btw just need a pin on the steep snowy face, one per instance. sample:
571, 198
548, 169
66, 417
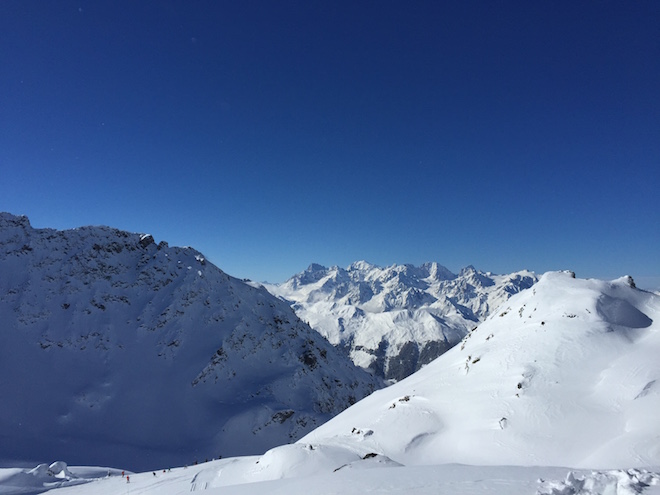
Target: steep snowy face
118, 351
563, 374
394, 320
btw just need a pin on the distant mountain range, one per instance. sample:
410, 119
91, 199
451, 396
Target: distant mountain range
120, 351
394, 320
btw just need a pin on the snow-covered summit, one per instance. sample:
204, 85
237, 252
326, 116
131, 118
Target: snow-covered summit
120, 351
565, 374
396, 319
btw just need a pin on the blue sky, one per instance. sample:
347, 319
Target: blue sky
269, 135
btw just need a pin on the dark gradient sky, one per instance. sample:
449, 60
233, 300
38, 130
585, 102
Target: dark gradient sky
270, 135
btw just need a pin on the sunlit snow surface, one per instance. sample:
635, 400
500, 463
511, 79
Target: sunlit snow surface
448, 479
563, 374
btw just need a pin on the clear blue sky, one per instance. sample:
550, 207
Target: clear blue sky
273, 134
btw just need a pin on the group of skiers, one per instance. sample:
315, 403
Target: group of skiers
128, 478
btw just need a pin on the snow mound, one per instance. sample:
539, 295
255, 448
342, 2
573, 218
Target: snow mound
288, 462
371, 461
614, 482
621, 313
296, 460
43, 477
59, 469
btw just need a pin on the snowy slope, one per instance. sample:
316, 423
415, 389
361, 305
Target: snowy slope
450, 479
394, 320
566, 373
117, 351
364, 476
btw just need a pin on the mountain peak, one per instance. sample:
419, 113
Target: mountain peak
438, 272
8, 219
315, 267
361, 265
626, 280
467, 270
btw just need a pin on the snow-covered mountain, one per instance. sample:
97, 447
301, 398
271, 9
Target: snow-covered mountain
394, 320
120, 351
563, 374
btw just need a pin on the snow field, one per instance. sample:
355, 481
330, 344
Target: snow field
449, 479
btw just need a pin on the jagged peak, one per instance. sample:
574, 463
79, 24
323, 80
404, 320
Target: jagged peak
557, 275
437, 271
362, 265
7, 218
431, 269
101, 237
468, 270
475, 276
625, 280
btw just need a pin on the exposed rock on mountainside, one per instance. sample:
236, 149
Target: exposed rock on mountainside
120, 351
394, 320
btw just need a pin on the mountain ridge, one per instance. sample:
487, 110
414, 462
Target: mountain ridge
111, 339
